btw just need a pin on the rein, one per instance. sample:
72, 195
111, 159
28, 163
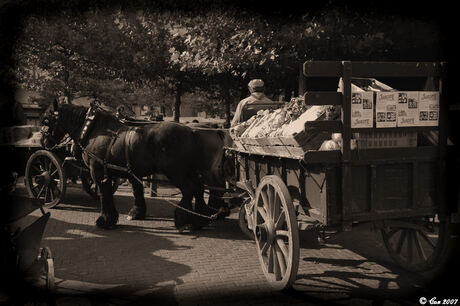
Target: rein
212, 217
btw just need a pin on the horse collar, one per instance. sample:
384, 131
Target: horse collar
88, 123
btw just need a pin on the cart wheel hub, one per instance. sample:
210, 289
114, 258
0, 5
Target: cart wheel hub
43, 178
266, 232
46, 178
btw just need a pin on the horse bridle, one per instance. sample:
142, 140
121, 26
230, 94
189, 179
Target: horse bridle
49, 128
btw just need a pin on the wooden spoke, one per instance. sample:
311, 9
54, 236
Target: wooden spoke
46, 163
46, 194
271, 201
282, 233
56, 189
51, 193
41, 191
262, 213
36, 169
52, 174
419, 246
270, 260
266, 204
282, 247
276, 265
401, 240
425, 237
392, 232
281, 259
264, 248
276, 206
409, 246
281, 220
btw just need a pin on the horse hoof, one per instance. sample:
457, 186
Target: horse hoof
134, 214
102, 223
135, 217
184, 228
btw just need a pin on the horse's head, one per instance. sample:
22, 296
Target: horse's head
53, 127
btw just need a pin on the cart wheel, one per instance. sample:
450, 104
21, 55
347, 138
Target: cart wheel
419, 245
276, 232
46, 257
243, 222
89, 186
45, 178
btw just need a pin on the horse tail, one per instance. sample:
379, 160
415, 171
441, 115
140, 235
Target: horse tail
221, 134
200, 154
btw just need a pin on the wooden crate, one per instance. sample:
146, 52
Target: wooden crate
242, 140
295, 152
280, 151
384, 139
238, 144
304, 141
275, 141
252, 141
263, 141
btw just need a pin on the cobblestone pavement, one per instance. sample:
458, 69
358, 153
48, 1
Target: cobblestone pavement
149, 262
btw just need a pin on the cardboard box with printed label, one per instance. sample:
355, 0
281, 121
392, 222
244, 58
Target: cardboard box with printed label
385, 109
362, 109
428, 108
362, 106
407, 108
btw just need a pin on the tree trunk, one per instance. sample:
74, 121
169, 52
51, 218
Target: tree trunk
177, 102
67, 93
227, 101
68, 98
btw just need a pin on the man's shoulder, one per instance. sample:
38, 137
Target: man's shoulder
257, 99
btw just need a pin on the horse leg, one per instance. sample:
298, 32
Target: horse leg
215, 201
109, 214
201, 207
182, 219
139, 209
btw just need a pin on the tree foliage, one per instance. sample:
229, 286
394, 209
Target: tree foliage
137, 52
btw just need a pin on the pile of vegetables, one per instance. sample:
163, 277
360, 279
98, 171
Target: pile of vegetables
284, 121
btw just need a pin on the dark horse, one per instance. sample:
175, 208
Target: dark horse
188, 158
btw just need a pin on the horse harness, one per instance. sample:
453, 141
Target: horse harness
89, 121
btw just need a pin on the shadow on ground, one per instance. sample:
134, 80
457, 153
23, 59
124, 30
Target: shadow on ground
128, 258
353, 279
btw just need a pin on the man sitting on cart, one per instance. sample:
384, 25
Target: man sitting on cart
257, 96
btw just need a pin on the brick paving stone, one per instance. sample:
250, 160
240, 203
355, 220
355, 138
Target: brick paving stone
149, 259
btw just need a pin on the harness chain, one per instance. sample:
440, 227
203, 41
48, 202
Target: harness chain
129, 169
123, 169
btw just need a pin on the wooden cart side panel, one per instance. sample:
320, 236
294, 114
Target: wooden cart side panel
380, 189
429, 185
397, 190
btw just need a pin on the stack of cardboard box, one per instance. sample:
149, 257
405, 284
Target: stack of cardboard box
373, 101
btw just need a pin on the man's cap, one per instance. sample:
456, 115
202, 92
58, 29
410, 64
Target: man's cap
256, 83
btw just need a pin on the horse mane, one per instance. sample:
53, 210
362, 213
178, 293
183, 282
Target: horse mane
73, 113
76, 114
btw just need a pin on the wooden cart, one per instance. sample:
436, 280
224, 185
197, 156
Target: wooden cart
398, 191
45, 171
24, 262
